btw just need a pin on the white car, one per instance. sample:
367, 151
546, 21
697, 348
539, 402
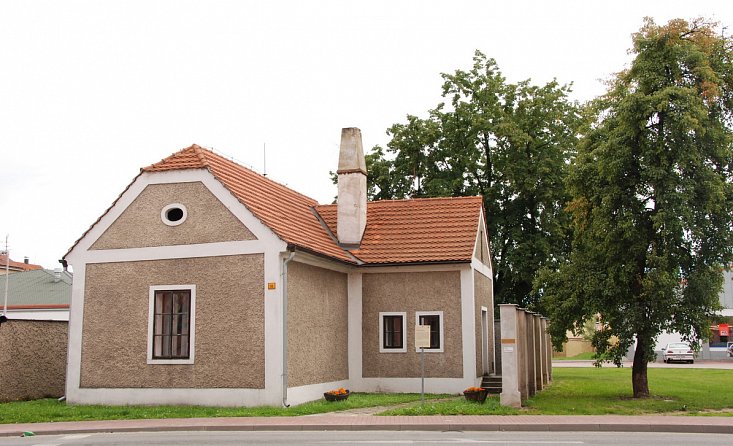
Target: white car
678, 351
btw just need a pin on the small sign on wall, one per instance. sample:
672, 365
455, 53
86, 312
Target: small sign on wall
422, 336
270, 285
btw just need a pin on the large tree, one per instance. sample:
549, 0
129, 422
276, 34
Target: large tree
510, 143
652, 198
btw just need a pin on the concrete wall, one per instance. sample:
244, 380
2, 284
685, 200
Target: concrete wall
317, 325
140, 225
229, 349
411, 292
32, 359
483, 298
574, 347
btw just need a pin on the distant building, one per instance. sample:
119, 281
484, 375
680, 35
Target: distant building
33, 341
16, 267
715, 348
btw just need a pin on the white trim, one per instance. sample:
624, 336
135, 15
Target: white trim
76, 317
484, 240
39, 315
480, 267
412, 385
485, 362
169, 396
312, 392
273, 326
320, 262
355, 327
192, 324
468, 323
440, 323
404, 332
176, 251
168, 221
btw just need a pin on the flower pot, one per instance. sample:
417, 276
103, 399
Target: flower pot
478, 396
336, 397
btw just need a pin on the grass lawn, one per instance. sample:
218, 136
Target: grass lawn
574, 391
51, 410
607, 390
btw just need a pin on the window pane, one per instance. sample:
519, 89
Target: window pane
171, 324
433, 320
392, 336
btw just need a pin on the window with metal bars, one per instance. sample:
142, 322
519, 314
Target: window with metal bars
172, 324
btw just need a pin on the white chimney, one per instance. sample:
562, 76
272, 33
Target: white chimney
352, 188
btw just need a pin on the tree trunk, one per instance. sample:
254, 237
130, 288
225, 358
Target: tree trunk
639, 379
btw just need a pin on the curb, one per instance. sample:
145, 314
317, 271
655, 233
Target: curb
518, 423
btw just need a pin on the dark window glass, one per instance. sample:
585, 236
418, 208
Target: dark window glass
434, 321
174, 214
171, 324
392, 336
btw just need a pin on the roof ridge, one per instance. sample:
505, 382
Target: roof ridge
198, 150
412, 200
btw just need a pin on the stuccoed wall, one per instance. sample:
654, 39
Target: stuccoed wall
317, 325
230, 328
32, 359
411, 292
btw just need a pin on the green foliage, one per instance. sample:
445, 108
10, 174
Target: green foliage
510, 143
652, 198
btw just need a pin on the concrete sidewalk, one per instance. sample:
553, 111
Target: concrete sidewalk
612, 423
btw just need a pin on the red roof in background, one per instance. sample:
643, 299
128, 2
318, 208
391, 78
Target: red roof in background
17, 266
397, 231
416, 230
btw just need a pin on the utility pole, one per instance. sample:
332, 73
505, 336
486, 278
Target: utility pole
7, 278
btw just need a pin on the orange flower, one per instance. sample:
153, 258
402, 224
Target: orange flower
474, 389
339, 391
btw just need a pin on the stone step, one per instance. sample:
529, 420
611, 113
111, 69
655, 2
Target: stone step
492, 383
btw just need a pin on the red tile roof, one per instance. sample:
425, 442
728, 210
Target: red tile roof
417, 230
397, 231
17, 266
288, 213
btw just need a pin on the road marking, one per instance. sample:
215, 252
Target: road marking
455, 441
75, 436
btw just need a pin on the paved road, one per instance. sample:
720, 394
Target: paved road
374, 438
700, 364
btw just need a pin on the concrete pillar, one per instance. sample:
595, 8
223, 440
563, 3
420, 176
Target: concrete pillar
510, 358
539, 352
548, 346
531, 357
522, 349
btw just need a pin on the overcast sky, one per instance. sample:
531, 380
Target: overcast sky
91, 91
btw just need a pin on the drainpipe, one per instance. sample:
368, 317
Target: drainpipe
285, 324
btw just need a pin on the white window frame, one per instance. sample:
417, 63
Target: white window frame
164, 214
404, 332
192, 324
440, 319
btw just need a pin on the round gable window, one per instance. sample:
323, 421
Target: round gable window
174, 214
